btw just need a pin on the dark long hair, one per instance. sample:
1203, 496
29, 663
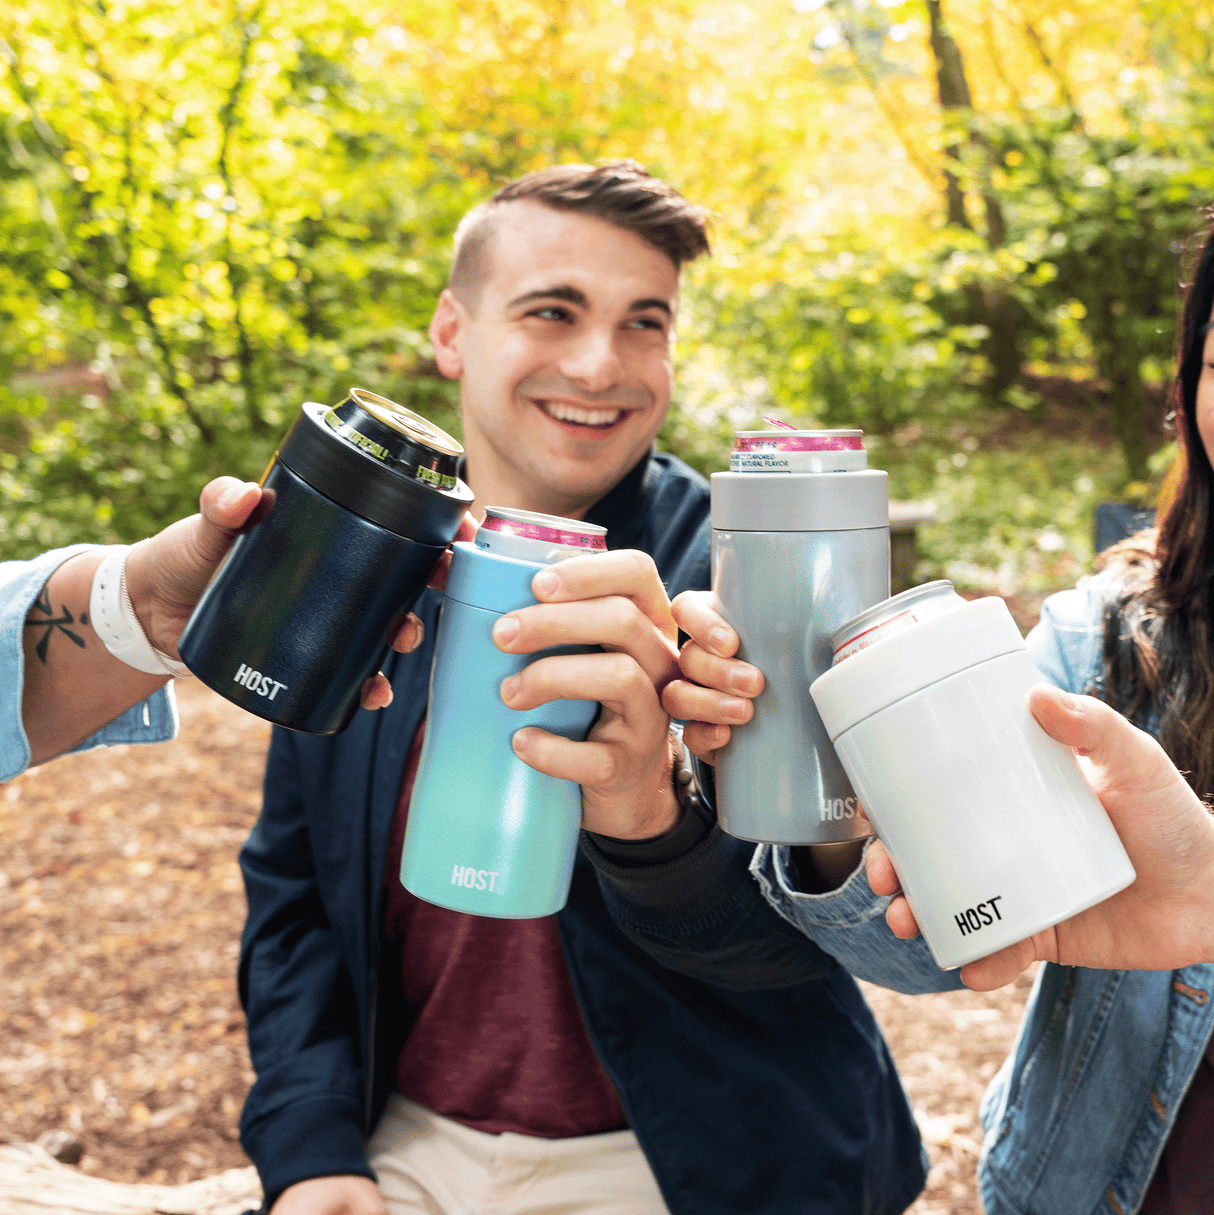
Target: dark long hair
1158, 663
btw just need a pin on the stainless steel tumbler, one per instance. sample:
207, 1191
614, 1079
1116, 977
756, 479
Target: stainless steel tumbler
794, 556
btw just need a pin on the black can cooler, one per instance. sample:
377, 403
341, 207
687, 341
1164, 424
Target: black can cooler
360, 501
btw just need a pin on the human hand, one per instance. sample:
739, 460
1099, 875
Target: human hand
341, 1195
717, 690
166, 575
377, 691
1165, 918
615, 601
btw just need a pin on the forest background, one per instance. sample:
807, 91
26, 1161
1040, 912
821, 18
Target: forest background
958, 224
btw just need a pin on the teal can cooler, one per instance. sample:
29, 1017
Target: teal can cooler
487, 834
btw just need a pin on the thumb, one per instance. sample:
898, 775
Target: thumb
168, 572
226, 505
1124, 760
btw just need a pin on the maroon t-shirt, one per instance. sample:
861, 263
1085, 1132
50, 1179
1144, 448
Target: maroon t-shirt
496, 1038
1184, 1178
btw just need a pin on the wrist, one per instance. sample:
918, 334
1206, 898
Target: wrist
693, 821
116, 623
141, 587
666, 807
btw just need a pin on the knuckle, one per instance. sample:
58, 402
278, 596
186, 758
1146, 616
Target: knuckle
621, 614
622, 668
604, 767
644, 563
677, 698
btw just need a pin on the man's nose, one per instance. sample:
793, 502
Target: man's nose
593, 362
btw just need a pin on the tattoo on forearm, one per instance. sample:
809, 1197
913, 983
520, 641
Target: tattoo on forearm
42, 616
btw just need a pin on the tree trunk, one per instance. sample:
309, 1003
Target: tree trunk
992, 309
32, 1182
954, 93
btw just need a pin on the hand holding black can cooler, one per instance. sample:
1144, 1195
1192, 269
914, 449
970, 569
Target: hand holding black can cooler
360, 501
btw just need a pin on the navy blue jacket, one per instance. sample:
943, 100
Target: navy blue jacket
747, 1062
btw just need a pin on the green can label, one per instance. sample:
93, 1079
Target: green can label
351, 435
434, 478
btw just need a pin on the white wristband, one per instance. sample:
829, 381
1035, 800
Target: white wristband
114, 621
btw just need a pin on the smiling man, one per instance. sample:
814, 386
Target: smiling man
638, 1052
569, 321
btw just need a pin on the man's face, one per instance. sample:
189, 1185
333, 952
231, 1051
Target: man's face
565, 359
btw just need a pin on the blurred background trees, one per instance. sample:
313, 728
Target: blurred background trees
959, 224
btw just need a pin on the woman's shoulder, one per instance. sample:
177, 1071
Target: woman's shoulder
1122, 572
1082, 605
1067, 642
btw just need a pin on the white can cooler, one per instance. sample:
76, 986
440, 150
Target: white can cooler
991, 824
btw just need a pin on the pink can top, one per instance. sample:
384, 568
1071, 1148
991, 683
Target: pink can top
799, 440
549, 529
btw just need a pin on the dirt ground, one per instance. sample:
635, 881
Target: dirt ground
120, 911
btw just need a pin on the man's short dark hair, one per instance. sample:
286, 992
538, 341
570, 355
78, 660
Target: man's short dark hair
620, 192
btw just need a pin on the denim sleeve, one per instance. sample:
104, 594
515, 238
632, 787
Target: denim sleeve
153, 720
1066, 642
849, 924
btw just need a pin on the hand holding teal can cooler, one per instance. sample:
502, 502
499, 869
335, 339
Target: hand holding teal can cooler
487, 834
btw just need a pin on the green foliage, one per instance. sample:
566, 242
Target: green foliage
226, 207
1009, 518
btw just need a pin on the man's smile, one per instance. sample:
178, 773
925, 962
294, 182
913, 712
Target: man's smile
580, 415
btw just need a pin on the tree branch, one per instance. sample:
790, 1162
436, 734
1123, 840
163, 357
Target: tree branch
237, 275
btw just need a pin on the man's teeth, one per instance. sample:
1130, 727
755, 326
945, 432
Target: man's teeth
584, 417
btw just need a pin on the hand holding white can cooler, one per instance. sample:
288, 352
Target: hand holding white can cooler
990, 823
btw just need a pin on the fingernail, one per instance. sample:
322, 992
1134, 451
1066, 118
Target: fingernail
518, 743
739, 710
509, 687
506, 630
742, 679
720, 639
230, 497
546, 582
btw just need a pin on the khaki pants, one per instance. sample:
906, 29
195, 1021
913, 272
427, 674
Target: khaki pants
428, 1163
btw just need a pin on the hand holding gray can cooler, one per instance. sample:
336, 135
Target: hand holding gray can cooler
795, 553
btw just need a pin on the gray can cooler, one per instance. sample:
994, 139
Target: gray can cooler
794, 557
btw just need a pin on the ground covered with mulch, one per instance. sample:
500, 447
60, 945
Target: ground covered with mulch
120, 911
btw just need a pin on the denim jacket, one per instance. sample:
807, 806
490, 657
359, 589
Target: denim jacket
21, 582
1077, 1116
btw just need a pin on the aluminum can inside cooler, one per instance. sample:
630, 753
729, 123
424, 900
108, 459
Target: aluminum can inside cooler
893, 616
798, 451
357, 507
530, 536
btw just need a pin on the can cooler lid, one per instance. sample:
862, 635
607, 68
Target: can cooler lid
800, 502
488, 580
369, 488
899, 666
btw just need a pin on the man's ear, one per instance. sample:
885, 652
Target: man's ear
445, 333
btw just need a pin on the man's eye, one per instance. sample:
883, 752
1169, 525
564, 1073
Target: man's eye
551, 313
646, 322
